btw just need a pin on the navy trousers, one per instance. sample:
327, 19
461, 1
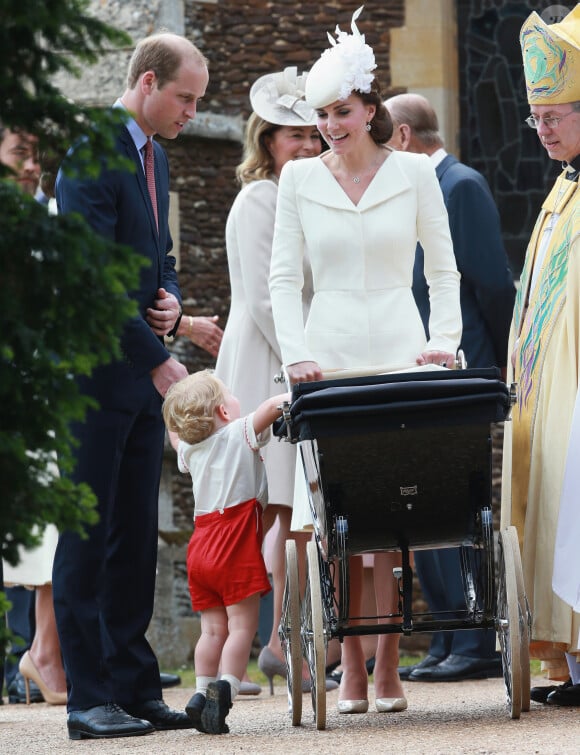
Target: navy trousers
104, 585
439, 573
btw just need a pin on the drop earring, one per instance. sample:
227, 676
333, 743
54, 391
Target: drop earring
368, 127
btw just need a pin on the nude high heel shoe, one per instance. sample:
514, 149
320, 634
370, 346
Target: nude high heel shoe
391, 704
270, 666
353, 706
30, 672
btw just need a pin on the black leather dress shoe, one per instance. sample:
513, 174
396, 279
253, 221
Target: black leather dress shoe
160, 715
105, 722
17, 691
540, 694
568, 695
169, 680
429, 660
455, 668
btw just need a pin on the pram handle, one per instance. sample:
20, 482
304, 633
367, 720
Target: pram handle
332, 374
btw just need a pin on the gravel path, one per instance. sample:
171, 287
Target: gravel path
468, 717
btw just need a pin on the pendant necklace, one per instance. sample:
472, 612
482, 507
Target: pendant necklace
356, 179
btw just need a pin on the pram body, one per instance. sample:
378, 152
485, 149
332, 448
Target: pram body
400, 462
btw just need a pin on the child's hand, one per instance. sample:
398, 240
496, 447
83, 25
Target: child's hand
269, 411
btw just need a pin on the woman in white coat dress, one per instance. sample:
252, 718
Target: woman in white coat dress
360, 209
281, 128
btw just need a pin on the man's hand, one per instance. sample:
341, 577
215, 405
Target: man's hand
164, 313
167, 373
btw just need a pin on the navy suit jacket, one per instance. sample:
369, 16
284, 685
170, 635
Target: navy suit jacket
487, 289
117, 206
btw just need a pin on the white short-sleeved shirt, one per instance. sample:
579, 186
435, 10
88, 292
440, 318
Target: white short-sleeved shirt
226, 468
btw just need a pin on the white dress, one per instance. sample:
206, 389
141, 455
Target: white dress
363, 314
35, 567
249, 357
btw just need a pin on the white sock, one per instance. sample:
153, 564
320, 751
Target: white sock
201, 683
574, 667
234, 683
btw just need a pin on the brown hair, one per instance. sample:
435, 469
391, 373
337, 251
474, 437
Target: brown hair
257, 162
163, 54
381, 124
190, 404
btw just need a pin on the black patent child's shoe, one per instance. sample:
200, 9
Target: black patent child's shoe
160, 715
194, 709
218, 702
105, 722
540, 694
17, 691
567, 695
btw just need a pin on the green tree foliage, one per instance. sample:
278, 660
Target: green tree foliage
63, 289
38, 39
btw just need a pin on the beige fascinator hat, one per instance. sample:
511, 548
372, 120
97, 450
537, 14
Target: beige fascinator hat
551, 55
279, 99
345, 67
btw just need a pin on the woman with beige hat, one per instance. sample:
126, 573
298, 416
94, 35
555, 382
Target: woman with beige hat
280, 128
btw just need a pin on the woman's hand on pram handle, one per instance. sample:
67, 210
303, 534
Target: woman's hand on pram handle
304, 372
440, 358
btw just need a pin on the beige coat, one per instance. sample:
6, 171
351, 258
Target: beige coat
249, 355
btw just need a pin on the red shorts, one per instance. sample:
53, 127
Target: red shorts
224, 557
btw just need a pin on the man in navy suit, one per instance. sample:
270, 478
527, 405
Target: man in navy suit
487, 298
104, 585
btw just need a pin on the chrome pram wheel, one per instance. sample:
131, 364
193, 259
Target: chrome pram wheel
524, 617
508, 623
313, 636
289, 632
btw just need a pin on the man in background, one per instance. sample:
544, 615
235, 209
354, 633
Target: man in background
487, 296
540, 471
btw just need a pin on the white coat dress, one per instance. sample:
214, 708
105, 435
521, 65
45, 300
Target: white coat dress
362, 314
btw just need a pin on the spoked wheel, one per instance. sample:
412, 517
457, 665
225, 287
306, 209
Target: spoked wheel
524, 616
313, 637
508, 624
289, 632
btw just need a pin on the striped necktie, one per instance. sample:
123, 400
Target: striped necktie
150, 175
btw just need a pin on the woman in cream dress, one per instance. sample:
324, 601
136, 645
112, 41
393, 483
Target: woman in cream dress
360, 209
281, 128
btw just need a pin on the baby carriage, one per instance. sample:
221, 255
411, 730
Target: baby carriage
400, 462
